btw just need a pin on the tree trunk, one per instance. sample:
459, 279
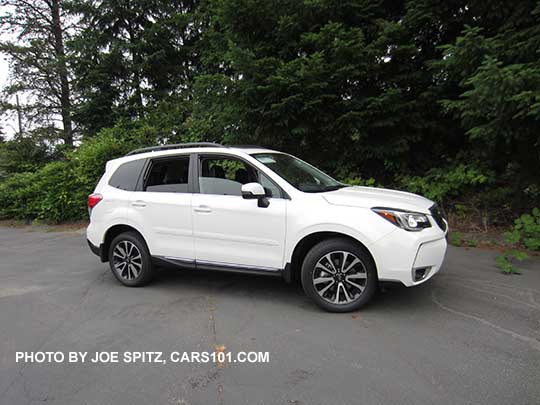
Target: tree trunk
65, 96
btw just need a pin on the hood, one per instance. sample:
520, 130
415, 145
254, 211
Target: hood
369, 197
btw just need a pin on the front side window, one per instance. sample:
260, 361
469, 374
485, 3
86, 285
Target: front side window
298, 173
225, 176
168, 175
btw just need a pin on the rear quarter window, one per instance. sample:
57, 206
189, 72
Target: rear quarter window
127, 175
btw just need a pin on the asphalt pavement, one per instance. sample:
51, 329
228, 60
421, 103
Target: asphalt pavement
471, 335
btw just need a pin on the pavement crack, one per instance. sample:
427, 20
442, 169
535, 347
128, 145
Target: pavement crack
212, 309
534, 343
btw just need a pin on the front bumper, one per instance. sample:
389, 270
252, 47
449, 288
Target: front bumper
411, 258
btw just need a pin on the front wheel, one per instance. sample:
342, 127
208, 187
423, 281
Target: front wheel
130, 260
339, 275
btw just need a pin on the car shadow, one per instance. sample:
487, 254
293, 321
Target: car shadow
393, 297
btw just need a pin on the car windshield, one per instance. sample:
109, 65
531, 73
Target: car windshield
298, 173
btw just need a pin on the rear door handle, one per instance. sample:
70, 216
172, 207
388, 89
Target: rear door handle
138, 203
203, 208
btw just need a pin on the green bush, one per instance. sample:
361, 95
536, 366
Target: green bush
60, 196
456, 238
441, 184
19, 196
359, 181
51, 193
57, 191
528, 228
525, 233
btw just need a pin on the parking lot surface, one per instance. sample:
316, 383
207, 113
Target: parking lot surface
470, 335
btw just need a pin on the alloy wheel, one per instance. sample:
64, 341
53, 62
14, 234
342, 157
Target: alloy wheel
339, 277
127, 260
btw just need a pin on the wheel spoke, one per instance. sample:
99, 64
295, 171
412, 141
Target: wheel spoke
328, 257
133, 271
360, 276
118, 254
320, 266
321, 292
347, 297
121, 251
361, 288
320, 280
351, 265
336, 299
345, 256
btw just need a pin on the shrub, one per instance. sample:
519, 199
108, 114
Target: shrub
528, 228
441, 184
456, 238
358, 181
526, 233
18, 196
51, 193
60, 196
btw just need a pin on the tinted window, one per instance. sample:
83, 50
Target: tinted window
169, 175
225, 176
126, 176
300, 174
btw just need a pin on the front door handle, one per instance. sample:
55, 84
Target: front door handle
203, 209
138, 203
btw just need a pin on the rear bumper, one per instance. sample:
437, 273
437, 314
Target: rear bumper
97, 250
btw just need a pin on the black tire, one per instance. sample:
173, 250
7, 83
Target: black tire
127, 274
363, 270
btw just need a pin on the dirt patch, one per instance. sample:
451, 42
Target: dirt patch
44, 227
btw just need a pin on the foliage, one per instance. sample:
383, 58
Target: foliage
57, 191
526, 232
25, 153
438, 98
130, 57
52, 193
456, 238
528, 227
38, 64
443, 184
359, 181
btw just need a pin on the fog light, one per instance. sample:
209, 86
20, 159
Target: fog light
421, 273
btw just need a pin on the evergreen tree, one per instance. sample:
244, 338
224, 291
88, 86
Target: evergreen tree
131, 56
38, 62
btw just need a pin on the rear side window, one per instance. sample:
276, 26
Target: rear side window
168, 175
127, 174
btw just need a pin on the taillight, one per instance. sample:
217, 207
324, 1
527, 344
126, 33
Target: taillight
93, 199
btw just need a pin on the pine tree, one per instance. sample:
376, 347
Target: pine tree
38, 62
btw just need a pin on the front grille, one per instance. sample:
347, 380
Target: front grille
437, 216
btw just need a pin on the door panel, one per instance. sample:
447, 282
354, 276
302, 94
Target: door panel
232, 230
167, 220
162, 208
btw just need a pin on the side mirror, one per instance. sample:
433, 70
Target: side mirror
254, 191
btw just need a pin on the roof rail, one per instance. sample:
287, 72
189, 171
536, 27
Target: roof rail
247, 146
175, 146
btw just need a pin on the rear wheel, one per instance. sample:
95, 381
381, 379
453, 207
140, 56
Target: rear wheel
339, 275
130, 260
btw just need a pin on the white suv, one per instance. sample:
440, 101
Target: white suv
259, 211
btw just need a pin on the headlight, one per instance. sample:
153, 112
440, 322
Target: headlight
410, 221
